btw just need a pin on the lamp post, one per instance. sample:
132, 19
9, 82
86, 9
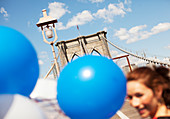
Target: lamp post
47, 25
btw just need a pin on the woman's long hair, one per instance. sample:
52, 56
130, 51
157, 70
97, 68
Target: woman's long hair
153, 79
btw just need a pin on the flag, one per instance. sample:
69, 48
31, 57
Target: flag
77, 27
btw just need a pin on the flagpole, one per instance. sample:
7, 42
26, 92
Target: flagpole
78, 30
80, 41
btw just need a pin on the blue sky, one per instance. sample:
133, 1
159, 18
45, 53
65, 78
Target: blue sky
135, 25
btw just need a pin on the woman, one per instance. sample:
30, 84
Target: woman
148, 90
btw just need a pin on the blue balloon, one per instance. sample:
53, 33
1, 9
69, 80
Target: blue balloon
19, 69
91, 87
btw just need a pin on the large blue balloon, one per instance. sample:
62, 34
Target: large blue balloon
91, 87
19, 69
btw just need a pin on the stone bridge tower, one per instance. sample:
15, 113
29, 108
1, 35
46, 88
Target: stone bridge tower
83, 45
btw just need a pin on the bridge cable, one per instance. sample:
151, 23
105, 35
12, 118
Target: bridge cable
139, 57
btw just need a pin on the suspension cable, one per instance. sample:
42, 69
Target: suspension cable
139, 57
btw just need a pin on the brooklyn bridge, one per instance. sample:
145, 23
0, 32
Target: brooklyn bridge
94, 44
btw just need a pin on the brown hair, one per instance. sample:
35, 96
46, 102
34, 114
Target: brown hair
152, 78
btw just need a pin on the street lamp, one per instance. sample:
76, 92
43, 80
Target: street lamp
47, 24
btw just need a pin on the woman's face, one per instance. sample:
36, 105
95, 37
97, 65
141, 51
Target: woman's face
142, 98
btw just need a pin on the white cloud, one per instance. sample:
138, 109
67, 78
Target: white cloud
112, 11
128, 2
137, 33
92, 1
136, 29
84, 1
167, 47
80, 19
96, 1
105, 29
129, 10
40, 62
60, 26
122, 34
161, 27
57, 9
4, 12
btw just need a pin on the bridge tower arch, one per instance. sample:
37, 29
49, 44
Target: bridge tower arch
83, 45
